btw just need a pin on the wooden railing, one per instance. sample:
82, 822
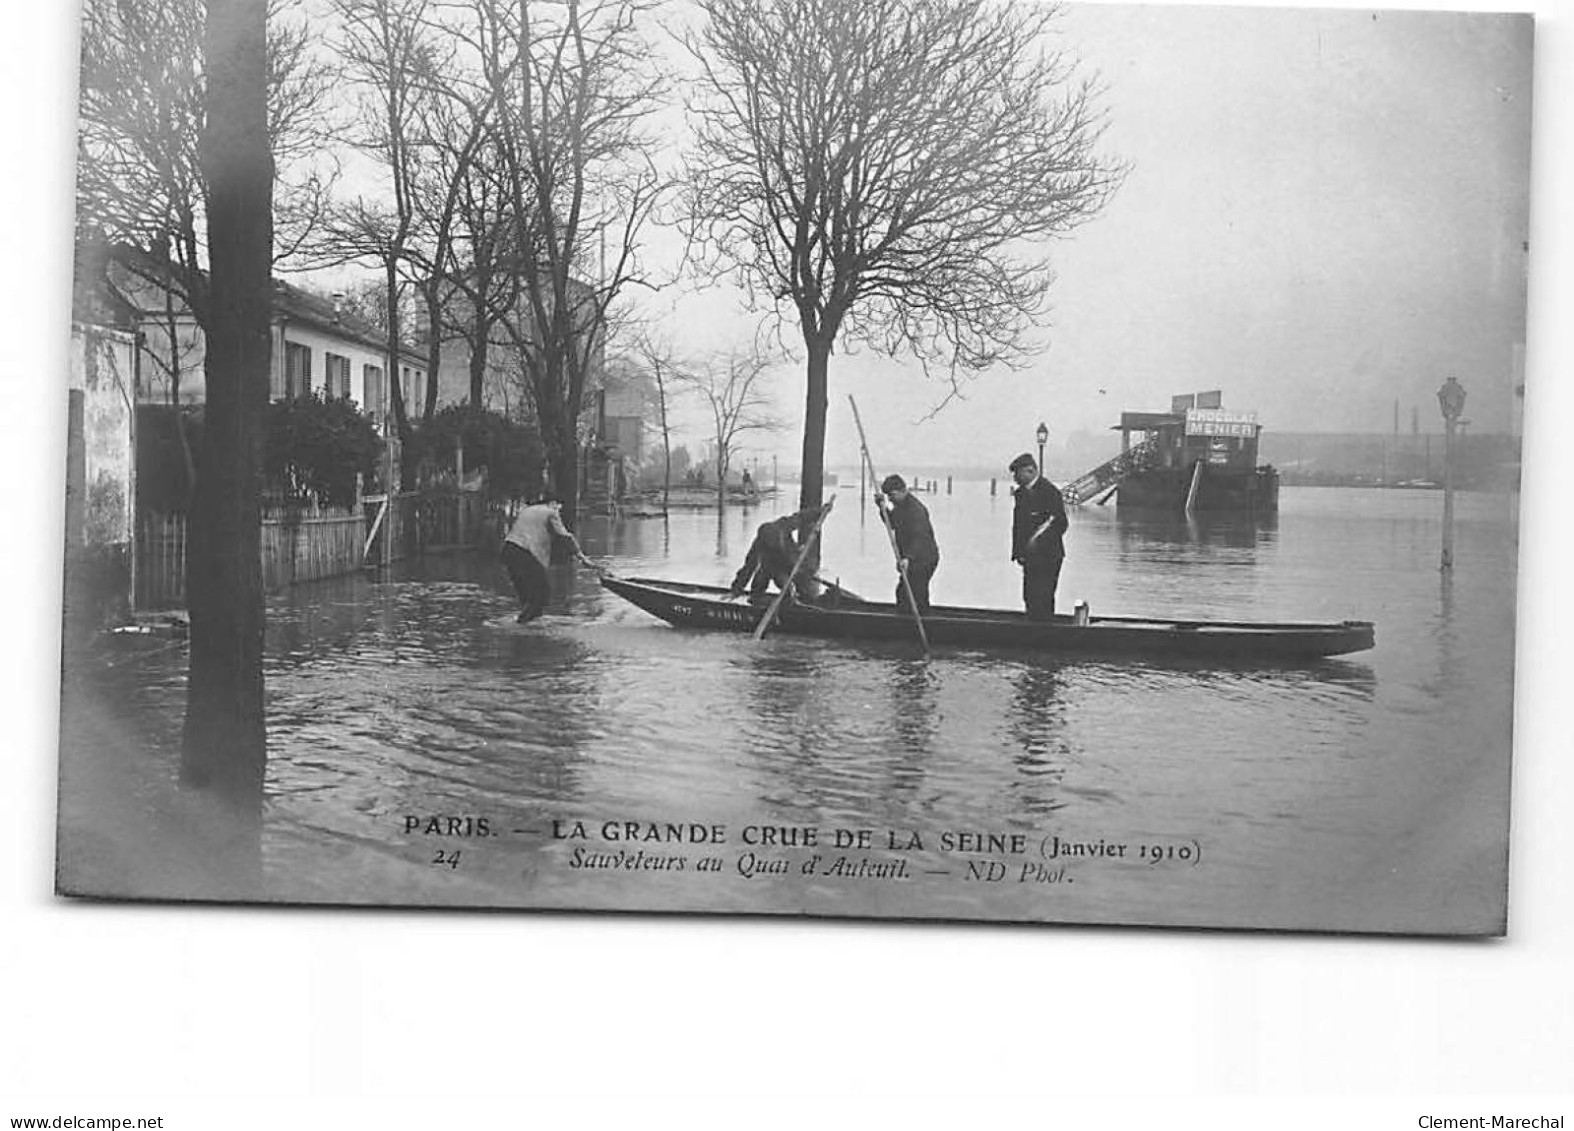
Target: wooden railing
309, 545
306, 544
160, 561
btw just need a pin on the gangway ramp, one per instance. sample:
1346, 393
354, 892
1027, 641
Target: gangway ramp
1107, 476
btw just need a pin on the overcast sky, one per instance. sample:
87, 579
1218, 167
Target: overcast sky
1326, 214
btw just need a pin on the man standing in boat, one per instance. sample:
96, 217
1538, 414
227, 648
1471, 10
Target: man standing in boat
527, 552
1038, 523
917, 552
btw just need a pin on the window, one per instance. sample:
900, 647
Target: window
297, 370
337, 376
372, 391
413, 386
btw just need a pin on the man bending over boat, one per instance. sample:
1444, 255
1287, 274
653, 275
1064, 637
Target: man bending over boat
772, 556
918, 552
1038, 522
527, 552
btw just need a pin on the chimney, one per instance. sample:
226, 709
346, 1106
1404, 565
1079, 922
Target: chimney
338, 305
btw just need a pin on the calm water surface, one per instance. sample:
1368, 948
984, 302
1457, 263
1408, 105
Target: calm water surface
1367, 793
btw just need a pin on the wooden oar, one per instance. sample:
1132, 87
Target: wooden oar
803, 554
885, 520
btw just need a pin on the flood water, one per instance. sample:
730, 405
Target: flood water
1364, 793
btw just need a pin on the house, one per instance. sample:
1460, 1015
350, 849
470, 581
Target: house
622, 419
317, 346
504, 382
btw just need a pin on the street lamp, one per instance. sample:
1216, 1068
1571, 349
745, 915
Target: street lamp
1451, 399
1043, 438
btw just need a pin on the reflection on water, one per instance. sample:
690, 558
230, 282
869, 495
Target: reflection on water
1312, 791
1038, 726
1206, 531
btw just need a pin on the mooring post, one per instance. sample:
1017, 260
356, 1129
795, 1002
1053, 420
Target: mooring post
1451, 399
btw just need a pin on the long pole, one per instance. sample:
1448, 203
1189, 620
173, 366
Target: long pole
885, 520
803, 554
863, 485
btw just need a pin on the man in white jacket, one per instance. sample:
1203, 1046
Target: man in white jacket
527, 552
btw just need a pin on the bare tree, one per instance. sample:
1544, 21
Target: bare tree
140, 179
484, 240
582, 180
141, 183
731, 389
878, 170
483, 274
390, 54
458, 202
223, 744
669, 375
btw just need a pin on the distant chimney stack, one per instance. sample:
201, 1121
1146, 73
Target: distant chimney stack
338, 304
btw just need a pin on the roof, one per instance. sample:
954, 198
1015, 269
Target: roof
123, 282
1145, 421
303, 306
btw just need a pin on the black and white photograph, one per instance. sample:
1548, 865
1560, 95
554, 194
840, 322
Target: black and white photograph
815, 465
935, 461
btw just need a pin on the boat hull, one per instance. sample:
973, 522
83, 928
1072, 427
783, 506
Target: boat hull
1221, 490
712, 608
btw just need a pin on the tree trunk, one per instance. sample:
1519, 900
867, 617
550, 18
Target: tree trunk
188, 460
480, 333
562, 453
563, 461
812, 490
396, 405
434, 349
666, 451
478, 349
224, 745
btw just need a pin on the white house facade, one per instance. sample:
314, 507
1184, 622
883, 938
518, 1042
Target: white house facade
316, 346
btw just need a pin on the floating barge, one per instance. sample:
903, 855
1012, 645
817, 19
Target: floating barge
1199, 456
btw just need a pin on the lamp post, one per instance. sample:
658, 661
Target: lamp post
1451, 399
1043, 438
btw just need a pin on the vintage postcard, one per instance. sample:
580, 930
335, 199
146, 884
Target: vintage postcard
985, 461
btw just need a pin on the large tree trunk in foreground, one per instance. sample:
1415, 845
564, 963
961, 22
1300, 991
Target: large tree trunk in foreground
812, 491
224, 748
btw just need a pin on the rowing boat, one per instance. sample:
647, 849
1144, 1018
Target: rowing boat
844, 617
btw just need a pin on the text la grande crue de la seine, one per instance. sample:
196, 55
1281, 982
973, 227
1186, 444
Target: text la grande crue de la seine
712, 835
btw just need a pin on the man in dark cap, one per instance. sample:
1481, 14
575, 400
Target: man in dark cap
1038, 522
917, 551
772, 555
